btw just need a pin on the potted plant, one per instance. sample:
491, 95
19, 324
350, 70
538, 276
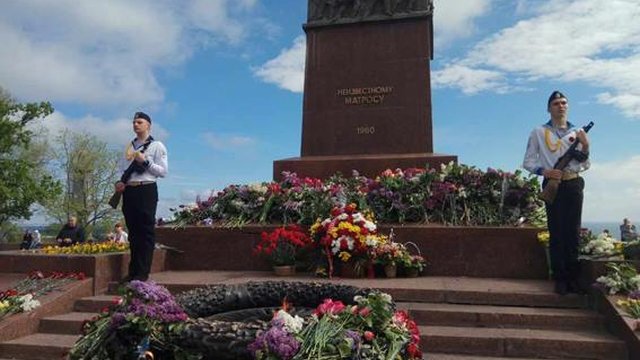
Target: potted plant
281, 246
413, 265
390, 254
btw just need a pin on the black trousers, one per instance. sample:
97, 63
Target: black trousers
139, 205
564, 218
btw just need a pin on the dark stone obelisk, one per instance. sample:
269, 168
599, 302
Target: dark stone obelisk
367, 92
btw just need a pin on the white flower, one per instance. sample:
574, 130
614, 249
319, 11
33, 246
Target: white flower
342, 217
291, 323
28, 303
370, 226
258, 187
386, 297
371, 240
335, 244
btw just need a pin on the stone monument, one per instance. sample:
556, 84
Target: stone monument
367, 92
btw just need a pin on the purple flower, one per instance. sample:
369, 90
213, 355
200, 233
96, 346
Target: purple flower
277, 341
357, 339
155, 302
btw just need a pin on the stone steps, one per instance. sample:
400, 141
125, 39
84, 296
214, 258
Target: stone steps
459, 318
502, 316
538, 343
94, 304
38, 346
69, 323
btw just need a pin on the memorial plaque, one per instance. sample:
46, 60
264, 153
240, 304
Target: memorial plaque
367, 95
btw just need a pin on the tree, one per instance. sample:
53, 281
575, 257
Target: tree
88, 170
24, 180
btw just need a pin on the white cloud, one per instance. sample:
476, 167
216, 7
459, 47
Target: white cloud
97, 52
588, 41
227, 141
469, 80
115, 132
454, 19
287, 69
612, 190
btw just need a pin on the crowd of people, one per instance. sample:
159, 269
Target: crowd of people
70, 234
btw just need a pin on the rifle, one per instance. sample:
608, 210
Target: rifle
550, 191
133, 167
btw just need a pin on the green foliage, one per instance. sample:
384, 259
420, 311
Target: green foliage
23, 180
88, 170
10, 233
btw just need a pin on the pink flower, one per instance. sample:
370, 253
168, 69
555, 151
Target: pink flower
365, 312
368, 335
330, 307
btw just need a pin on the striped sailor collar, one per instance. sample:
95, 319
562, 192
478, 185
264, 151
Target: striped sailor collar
550, 124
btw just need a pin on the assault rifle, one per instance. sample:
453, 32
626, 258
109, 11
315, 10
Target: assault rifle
550, 191
133, 167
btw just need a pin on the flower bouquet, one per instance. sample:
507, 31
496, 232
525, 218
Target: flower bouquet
23, 296
631, 305
601, 246
620, 278
139, 324
282, 245
371, 329
348, 235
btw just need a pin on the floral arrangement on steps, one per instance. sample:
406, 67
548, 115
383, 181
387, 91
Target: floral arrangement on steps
602, 246
138, 325
631, 305
283, 245
347, 235
390, 255
371, 329
452, 195
86, 248
23, 296
413, 265
620, 278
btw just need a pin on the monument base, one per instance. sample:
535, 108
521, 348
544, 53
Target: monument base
368, 165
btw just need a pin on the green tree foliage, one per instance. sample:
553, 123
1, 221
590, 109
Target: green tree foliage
24, 181
88, 170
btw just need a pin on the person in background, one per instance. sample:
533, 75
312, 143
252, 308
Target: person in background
27, 239
36, 243
119, 235
71, 233
547, 143
628, 231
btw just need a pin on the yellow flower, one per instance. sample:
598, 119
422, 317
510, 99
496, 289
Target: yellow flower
543, 238
344, 256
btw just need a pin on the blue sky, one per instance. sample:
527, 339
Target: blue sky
223, 79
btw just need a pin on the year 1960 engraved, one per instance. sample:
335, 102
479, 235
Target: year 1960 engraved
365, 130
